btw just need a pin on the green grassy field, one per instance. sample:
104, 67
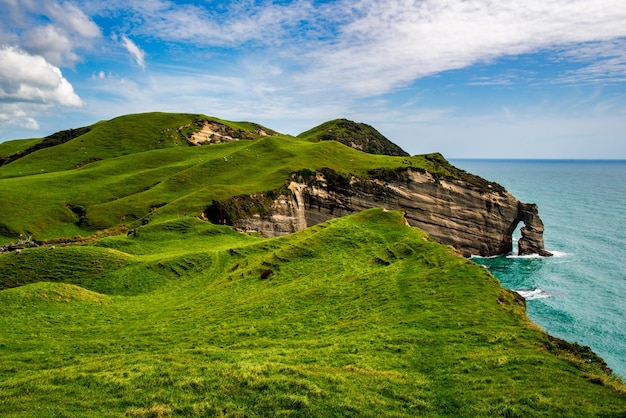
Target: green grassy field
358, 316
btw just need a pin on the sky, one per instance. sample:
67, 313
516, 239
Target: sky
467, 78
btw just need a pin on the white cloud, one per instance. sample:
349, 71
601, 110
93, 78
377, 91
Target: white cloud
364, 48
29, 85
48, 28
36, 38
12, 115
137, 53
390, 44
228, 24
30, 78
52, 44
72, 19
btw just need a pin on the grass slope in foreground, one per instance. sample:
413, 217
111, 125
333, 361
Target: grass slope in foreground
359, 316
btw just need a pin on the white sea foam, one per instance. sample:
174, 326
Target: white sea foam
514, 255
559, 254
532, 294
555, 254
473, 256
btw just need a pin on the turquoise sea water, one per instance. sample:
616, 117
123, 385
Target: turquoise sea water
580, 293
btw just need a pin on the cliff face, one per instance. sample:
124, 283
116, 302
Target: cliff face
477, 220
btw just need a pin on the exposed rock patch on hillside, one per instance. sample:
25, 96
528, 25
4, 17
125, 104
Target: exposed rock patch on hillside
19, 245
475, 220
209, 132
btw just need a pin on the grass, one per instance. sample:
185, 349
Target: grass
9, 148
359, 316
143, 310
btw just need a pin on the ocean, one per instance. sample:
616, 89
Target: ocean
579, 294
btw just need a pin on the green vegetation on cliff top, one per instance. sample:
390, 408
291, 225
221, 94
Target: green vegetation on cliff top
359, 316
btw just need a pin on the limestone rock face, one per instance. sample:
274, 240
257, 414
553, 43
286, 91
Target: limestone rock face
477, 220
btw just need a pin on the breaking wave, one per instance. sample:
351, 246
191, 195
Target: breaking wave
533, 294
555, 254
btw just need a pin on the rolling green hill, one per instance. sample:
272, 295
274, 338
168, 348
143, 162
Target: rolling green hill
356, 135
154, 312
136, 167
359, 316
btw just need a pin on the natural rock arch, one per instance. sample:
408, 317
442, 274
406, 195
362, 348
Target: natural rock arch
475, 220
531, 241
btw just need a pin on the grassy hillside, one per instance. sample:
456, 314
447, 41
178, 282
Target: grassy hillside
356, 135
139, 167
142, 309
360, 316
9, 148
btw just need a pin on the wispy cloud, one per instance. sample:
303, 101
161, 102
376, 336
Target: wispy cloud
505, 77
598, 62
226, 24
391, 44
365, 48
137, 53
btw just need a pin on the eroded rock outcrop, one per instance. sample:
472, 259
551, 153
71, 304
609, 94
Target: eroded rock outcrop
204, 132
215, 133
476, 218
531, 241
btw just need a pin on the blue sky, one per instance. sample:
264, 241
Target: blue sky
467, 78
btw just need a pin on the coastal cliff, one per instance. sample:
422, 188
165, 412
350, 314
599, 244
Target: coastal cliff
253, 178
475, 217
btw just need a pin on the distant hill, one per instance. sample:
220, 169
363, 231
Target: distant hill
356, 135
124, 135
47, 142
